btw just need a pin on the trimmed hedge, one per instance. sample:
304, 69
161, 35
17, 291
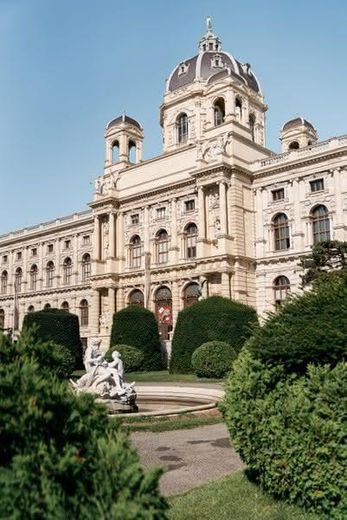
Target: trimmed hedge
213, 359
137, 326
62, 457
58, 326
310, 328
132, 357
290, 430
213, 319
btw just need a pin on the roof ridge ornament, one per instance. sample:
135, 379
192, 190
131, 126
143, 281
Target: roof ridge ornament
209, 42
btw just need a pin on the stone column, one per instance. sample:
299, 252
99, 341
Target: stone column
223, 208
339, 224
138, 156
298, 234
95, 312
75, 262
111, 231
120, 240
146, 244
112, 302
202, 212
97, 238
174, 232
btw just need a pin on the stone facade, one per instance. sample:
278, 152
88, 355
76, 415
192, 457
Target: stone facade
216, 213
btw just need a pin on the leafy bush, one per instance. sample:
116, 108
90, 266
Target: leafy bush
132, 357
213, 319
137, 326
290, 430
310, 328
58, 326
62, 457
48, 355
213, 359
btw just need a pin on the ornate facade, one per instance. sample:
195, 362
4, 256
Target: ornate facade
217, 212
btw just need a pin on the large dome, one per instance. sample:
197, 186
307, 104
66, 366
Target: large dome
211, 64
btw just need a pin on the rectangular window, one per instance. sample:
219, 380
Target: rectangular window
86, 240
34, 252
278, 194
19, 255
135, 219
67, 244
4, 259
161, 212
189, 205
317, 185
50, 248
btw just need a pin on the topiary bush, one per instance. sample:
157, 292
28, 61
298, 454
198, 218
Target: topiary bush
132, 357
62, 457
212, 319
137, 326
58, 326
213, 359
310, 328
290, 430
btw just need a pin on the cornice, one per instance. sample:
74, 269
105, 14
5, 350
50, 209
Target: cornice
46, 292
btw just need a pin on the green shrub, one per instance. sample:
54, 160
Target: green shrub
62, 457
137, 326
58, 326
310, 328
132, 357
213, 319
213, 359
290, 430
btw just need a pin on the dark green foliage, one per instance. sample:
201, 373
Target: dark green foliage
62, 457
58, 326
215, 318
132, 357
48, 355
137, 326
290, 431
327, 256
310, 328
213, 359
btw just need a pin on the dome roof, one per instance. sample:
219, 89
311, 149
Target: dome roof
297, 121
123, 119
211, 64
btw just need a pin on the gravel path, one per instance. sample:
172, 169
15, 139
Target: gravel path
190, 457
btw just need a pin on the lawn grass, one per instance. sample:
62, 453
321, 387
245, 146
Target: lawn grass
233, 498
159, 376
165, 424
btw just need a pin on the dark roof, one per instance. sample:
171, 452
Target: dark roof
123, 119
200, 68
297, 121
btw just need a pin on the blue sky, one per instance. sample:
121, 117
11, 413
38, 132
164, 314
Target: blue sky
69, 66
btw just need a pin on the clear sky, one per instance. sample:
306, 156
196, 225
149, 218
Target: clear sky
69, 66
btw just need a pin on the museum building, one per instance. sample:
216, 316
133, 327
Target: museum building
217, 213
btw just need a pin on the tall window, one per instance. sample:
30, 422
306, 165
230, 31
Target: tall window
191, 234
4, 280
65, 306
320, 224
18, 279
135, 251
2, 319
33, 277
182, 128
49, 274
84, 308
86, 267
281, 286
162, 243
238, 109
281, 232
115, 152
251, 121
67, 271
218, 111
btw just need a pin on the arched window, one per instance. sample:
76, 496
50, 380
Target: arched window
84, 309
33, 277
281, 232
47, 306
65, 306
281, 286
49, 274
86, 267
135, 251
238, 109
294, 145
18, 279
251, 121
67, 271
4, 281
182, 128
163, 311
2, 319
191, 235
320, 224
191, 294
31, 308
136, 298
115, 152
132, 152
219, 111
162, 245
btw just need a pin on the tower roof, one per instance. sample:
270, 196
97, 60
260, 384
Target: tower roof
123, 119
297, 121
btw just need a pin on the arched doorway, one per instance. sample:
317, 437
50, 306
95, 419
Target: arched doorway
136, 298
191, 294
163, 311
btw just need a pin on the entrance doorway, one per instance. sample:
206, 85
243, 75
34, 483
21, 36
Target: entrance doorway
163, 311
